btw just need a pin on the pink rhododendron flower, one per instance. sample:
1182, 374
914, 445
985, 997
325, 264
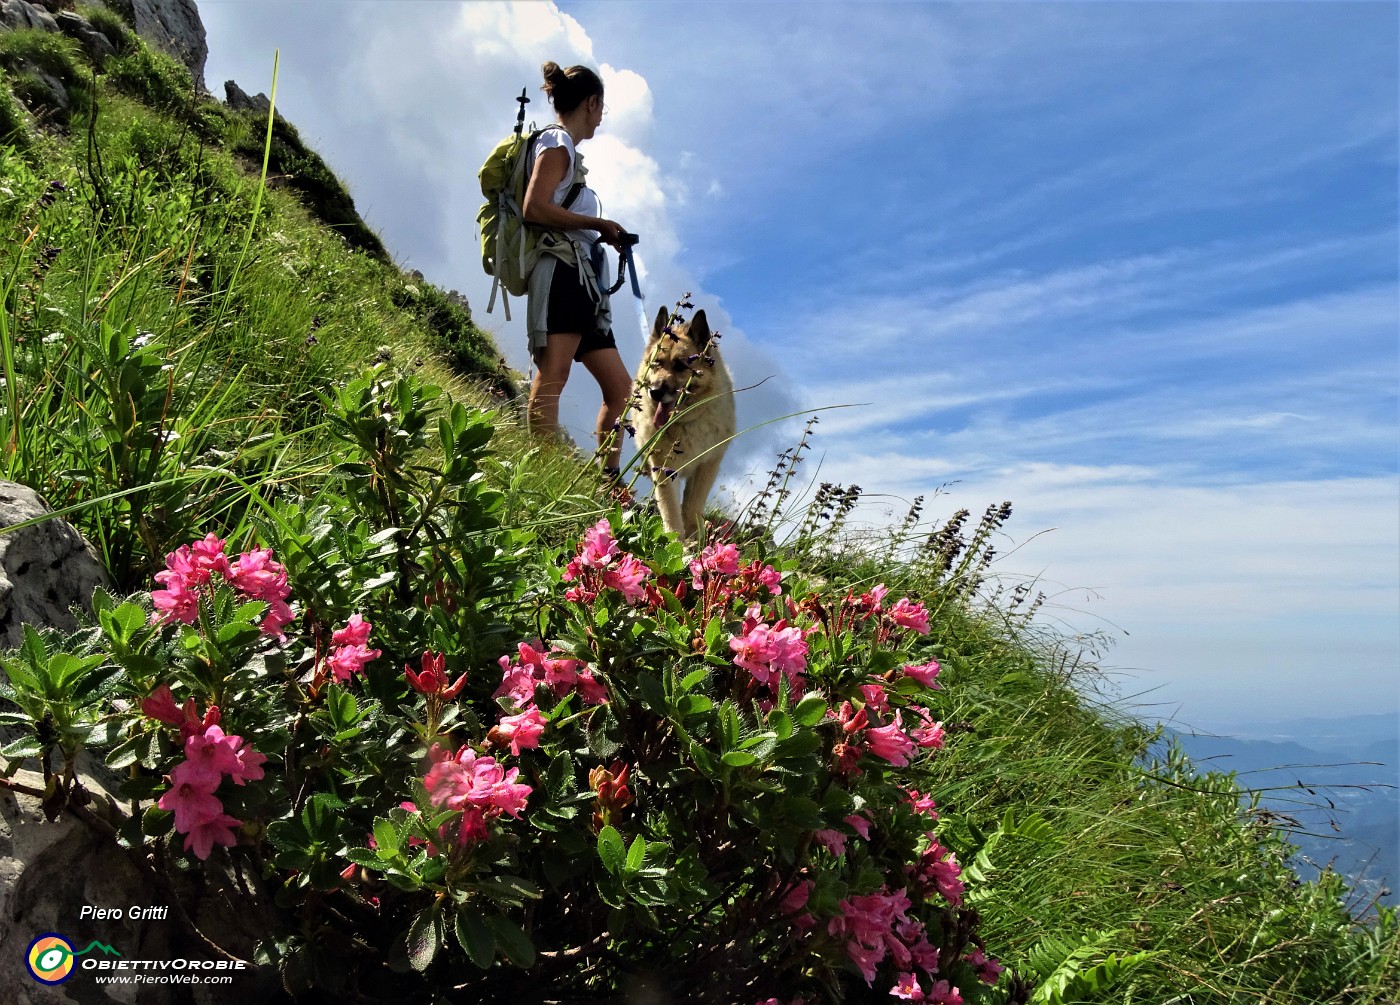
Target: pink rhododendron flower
277, 617
924, 673
355, 633
627, 578
177, 602
875, 698
598, 547
772, 579
258, 577
869, 923
929, 735
250, 765
189, 800
590, 689
207, 833
353, 651
943, 993
211, 755
160, 705
433, 680
988, 969
207, 556
517, 683
478, 786
766, 651
911, 615
866, 958
601, 563
832, 840
906, 986
890, 743
937, 871
860, 825
519, 732
922, 804
721, 559
796, 899
560, 673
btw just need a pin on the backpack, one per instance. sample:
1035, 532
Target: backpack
510, 247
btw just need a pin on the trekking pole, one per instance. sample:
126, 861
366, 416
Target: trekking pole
524, 100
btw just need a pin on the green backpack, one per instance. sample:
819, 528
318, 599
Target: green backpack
510, 247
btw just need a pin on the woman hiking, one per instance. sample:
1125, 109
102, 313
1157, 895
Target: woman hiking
568, 317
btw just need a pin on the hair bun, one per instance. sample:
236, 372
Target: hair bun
567, 89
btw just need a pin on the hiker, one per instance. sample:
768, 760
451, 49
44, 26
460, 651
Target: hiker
568, 317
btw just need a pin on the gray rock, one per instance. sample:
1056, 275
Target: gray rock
46, 569
240, 101
97, 45
19, 14
174, 26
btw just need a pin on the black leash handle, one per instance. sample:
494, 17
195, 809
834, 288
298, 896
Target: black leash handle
624, 259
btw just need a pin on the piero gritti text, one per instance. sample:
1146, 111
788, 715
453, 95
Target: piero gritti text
137, 912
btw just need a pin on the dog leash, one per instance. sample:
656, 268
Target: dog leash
626, 266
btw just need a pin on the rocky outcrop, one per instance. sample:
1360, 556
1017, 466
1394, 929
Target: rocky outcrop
18, 14
46, 568
97, 45
172, 25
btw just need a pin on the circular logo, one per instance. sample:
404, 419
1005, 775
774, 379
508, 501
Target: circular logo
50, 959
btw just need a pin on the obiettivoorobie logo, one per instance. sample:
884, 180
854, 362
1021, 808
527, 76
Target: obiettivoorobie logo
50, 957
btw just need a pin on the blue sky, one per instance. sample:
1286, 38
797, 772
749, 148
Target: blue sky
1132, 266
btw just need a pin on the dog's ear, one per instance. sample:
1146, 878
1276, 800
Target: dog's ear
699, 328
662, 316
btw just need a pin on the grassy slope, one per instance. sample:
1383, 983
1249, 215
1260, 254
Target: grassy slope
227, 349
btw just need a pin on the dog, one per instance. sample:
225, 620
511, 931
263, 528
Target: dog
685, 417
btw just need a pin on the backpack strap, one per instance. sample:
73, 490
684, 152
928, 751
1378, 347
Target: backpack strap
579, 184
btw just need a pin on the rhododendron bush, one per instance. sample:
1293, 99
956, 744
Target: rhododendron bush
431, 754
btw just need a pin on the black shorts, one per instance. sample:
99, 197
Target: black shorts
572, 312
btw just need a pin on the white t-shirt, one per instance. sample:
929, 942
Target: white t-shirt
587, 203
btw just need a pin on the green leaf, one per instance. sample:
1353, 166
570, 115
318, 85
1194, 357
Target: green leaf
25, 746
156, 821
475, 938
514, 943
693, 704
366, 857
800, 744
738, 758
386, 838
611, 849
810, 710
423, 938
712, 631
653, 694
694, 677
602, 732
510, 889
636, 855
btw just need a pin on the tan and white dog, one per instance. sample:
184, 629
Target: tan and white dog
685, 417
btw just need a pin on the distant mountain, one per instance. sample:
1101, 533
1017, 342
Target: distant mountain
1337, 782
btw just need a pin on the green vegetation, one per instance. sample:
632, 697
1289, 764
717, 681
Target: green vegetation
186, 351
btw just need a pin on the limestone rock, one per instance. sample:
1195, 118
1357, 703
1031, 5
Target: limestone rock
240, 101
174, 26
45, 569
19, 14
97, 45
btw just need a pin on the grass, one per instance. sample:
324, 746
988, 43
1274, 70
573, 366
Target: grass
159, 384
